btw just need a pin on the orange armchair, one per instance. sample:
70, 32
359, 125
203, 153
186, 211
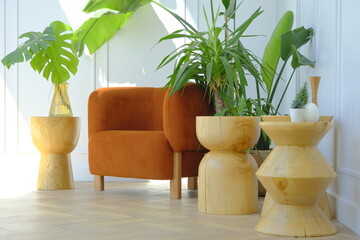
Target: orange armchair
145, 133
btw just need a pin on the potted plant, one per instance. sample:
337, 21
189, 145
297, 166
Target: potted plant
217, 60
297, 105
282, 47
52, 53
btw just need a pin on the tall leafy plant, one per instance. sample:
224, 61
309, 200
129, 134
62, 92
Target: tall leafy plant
215, 59
282, 47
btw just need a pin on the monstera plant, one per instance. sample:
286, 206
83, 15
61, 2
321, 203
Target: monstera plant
55, 52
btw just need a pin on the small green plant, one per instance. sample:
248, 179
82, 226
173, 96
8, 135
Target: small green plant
301, 98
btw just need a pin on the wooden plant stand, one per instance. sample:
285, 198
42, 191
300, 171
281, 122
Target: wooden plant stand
296, 176
227, 181
55, 138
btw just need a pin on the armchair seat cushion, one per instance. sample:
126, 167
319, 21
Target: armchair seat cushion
132, 154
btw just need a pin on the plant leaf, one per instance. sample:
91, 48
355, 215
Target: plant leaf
230, 6
25, 51
300, 60
238, 32
97, 31
122, 6
272, 50
297, 37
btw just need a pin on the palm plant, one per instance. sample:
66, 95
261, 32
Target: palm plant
215, 59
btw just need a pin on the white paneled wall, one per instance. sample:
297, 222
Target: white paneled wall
131, 57
336, 51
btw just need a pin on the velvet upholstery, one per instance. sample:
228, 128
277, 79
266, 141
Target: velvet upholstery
134, 131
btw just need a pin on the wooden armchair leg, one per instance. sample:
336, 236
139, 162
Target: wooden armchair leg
192, 183
99, 183
175, 183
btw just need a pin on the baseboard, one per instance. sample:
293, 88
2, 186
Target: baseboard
345, 212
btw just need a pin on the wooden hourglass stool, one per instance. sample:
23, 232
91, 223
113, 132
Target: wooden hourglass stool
227, 181
296, 176
55, 138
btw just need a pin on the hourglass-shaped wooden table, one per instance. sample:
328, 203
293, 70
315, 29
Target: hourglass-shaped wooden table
227, 181
296, 175
55, 138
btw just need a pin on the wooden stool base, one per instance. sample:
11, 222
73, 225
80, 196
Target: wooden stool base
227, 183
323, 204
295, 221
55, 172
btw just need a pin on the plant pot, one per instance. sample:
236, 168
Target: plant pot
297, 115
60, 104
227, 181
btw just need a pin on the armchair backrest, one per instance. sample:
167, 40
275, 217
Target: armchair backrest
180, 111
122, 108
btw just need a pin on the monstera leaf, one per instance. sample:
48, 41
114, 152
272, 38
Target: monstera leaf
109, 17
51, 52
36, 41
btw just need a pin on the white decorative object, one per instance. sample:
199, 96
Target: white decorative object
297, 114
311, 113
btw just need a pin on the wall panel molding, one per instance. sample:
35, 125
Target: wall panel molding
11, 77
349, 172
2, 76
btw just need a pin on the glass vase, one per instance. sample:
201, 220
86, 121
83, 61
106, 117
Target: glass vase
60, 104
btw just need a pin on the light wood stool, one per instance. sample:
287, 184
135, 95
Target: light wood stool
227, 181
296, 176
55, 138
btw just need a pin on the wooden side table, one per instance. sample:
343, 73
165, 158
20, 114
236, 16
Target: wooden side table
55, 138
296, 175
227, 181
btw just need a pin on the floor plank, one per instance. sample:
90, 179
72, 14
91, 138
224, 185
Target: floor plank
125, 210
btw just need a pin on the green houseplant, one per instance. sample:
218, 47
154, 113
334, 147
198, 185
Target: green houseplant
297, 105
52, 53
282, 49
55, 52
215, 59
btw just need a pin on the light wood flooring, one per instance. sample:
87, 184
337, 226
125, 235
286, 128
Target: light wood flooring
126, 210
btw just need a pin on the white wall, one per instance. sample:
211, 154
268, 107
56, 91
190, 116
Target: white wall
336, 50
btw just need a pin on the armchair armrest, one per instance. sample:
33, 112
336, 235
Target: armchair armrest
180, 111
125, 108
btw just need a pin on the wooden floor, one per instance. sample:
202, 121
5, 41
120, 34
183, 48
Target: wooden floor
126, 210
